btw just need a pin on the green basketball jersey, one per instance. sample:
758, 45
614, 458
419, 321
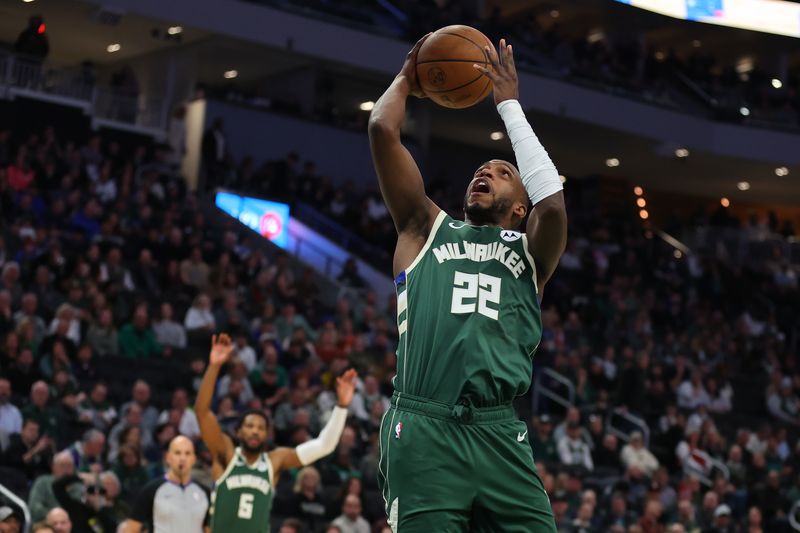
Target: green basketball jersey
468, 316
242, 497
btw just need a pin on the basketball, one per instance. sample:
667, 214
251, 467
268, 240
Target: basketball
444, 67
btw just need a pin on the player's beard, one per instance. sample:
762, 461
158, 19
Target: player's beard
253, 450
491, 215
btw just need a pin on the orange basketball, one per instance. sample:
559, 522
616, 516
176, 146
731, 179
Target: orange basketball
444, 67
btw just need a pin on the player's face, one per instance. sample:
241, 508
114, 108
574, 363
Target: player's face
253, 434
492, 193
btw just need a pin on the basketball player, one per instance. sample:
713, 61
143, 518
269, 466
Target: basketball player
454, 457
245, 476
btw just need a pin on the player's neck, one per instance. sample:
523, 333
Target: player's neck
250, 457
488, 223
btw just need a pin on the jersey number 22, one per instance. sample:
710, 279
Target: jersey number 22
473, 292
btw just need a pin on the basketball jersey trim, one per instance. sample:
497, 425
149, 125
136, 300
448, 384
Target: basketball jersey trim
531, 261
431, 236
238, 455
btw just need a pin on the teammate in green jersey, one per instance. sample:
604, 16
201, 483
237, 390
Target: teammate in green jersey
454, 456
245, 476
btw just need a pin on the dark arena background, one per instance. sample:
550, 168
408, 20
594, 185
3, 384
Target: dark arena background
175, 169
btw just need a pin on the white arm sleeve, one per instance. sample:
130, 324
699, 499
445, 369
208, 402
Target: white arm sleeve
326, 442
539, 174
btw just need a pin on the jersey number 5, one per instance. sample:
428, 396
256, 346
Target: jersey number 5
246, 506
473, 292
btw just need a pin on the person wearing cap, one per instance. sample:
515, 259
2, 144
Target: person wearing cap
544, 446
573, 450
9, 521
173, 502
722, 521
635, 456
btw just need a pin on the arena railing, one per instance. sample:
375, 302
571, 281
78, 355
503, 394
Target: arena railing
541, 388
19, 502
632, 423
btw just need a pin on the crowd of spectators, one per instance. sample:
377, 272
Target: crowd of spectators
582, 53
113, 277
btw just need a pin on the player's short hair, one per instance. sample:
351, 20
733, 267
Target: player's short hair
257, 412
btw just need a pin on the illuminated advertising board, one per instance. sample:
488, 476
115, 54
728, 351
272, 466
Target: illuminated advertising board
769, 16
268, 219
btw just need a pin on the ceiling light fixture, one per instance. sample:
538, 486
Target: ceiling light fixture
777, 83
643, 214
555, 13
175, 30
641, 202
724, 202
638, 191
563, 178
612, 162
230, 74
744, 111
743, 185
682, 152
114, 47
366, 106
677, 254
496, 135
781, 171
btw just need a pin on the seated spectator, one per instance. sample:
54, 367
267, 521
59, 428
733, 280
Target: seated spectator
29, 310
66, 314
87, 454
141, 396
181, 415
97, 409
306, 502
10, 521
29, 451
351, 521
169, 334
131, 418
59, 520
137, 339
289, 321
90, 508
573, 450
244, 352
618, 518
236, 376
370, 393
199, 317
10, 415
102, 334
636, 456
545, 447
42, 498
783, 403
606, 457
573, 415
39, 409
130, 472
350, 276
720, 398
194, 271
691, 393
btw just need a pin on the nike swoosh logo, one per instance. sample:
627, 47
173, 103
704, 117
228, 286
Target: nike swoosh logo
521, 436
453, 225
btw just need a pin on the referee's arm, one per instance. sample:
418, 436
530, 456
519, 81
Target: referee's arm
142, 512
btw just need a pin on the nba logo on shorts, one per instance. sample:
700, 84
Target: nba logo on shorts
397, 429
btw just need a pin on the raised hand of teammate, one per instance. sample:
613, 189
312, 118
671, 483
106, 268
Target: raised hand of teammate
345, 387
409, 70
503, 72
221, 349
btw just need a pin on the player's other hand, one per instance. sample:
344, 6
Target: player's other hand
221, 349
409, 70
345, 387
503, 72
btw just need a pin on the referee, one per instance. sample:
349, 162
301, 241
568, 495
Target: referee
173, 503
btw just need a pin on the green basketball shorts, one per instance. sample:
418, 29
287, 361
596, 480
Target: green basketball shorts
452, 469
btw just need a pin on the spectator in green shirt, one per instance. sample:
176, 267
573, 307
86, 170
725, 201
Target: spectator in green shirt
40, 411
136, 338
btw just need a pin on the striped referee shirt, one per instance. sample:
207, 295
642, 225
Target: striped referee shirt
168, 507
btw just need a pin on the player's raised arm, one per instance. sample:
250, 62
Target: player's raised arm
218, 443
547, 224
315, 449
398, 175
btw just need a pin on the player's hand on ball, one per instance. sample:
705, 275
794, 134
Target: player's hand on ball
409, 70
345, 387
503, 72
221, 349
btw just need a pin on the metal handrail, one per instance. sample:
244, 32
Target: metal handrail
634, 420
540, 390
20, 503
793, 513
715, 463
